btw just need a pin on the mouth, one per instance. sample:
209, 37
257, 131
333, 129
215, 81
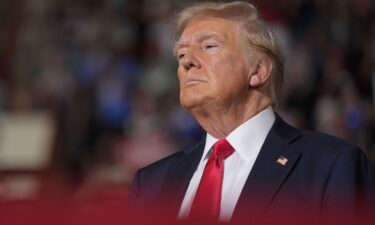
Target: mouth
192, 81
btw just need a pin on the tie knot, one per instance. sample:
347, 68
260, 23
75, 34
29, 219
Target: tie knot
222, 149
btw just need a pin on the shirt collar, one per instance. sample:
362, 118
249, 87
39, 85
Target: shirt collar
249, 137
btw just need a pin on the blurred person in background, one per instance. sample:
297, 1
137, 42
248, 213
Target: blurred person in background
103, 72
251, 166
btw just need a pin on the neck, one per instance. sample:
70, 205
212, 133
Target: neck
220, 121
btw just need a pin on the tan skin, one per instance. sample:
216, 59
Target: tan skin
218, 86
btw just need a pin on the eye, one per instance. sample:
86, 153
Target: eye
210, 46
180, 55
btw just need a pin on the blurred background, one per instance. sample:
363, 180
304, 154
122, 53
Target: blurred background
89, 92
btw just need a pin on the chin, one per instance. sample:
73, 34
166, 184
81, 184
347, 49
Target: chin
189, 104
194, 105
195, 98
188, 107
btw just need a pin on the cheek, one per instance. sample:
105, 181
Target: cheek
222, 68
180, 74
230, 76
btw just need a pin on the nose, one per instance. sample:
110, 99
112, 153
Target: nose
190, 61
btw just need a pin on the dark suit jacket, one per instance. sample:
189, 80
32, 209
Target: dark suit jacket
324, 177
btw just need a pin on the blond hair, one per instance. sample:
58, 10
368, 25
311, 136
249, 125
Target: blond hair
256, 33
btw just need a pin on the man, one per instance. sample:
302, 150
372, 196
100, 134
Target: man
252, 166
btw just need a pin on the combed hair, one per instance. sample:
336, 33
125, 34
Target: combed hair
255, 32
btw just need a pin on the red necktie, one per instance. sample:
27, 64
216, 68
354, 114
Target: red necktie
207, 199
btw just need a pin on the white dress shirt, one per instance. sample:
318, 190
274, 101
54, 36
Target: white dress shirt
247, 141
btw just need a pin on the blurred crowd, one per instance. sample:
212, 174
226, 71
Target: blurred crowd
101, 77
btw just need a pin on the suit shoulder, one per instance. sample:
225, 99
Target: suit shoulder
162, 165
322, 143
325, 138
146, 181
336, 158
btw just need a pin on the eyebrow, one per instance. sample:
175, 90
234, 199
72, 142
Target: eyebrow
199, 38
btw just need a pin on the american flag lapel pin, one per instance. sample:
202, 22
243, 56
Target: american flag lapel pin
282, 161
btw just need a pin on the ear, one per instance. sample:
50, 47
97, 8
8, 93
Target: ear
261, 72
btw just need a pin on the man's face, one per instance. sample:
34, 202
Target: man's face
212, 70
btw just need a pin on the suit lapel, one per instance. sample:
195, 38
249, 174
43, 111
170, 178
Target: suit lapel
267, 174
179, 175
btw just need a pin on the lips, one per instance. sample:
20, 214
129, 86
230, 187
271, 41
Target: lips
190, 80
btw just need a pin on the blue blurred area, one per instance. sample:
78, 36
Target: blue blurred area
105, 72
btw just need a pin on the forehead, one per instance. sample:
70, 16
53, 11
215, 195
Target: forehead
212, 27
